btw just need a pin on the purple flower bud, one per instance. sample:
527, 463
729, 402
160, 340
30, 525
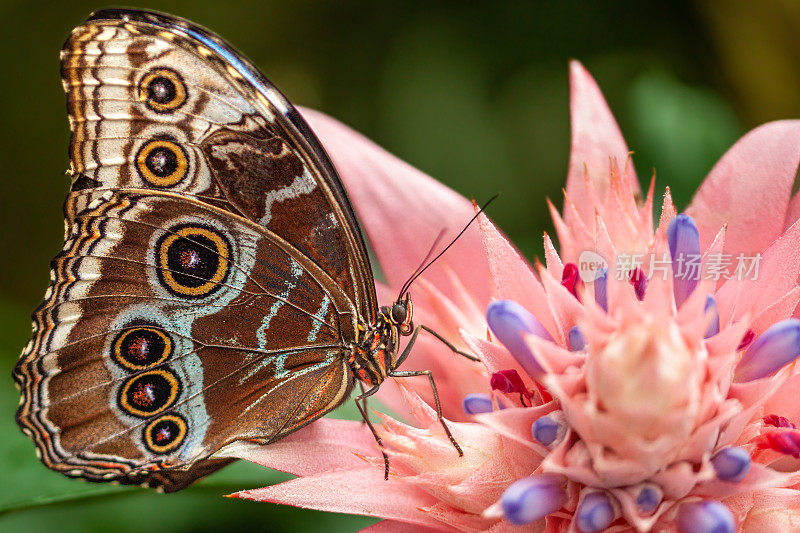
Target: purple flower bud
684, 247
731, 464
600, 287
774, 349
712, 315
576, 339
649, 498
548, 429
510, 322
532, 498
476, 403
705, 517
595, 512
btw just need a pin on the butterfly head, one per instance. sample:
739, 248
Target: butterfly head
400, 315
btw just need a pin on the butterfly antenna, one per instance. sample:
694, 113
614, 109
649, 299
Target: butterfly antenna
418, 272
422, 263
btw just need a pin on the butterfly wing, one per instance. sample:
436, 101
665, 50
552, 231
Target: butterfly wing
171, 328
213, 269
157, 102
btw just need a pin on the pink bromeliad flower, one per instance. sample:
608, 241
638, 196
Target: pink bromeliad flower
642, 379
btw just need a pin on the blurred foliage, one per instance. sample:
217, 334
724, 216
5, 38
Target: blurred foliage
474, 93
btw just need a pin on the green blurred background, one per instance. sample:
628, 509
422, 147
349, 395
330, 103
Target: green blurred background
474, 93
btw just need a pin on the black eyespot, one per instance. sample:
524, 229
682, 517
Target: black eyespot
193, 261
162, 90
149, 393
162, 163
399, 312
165, 433
141, 348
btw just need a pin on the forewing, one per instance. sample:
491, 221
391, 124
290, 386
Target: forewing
156, 102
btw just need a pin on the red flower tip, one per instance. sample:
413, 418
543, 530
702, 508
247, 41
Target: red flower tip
780, 439
747, 339
509, 381
570, 278
778, 421
639, 282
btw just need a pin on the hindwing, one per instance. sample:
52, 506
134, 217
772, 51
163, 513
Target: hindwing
171, 328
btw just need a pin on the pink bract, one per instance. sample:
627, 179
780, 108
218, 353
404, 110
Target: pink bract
650, 401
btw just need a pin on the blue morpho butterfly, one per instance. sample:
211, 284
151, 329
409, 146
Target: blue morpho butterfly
214, 285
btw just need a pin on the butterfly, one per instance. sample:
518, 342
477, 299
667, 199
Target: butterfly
214, 285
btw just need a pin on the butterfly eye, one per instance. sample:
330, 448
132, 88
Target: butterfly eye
162, 90
194, 261
398, 313
162, 163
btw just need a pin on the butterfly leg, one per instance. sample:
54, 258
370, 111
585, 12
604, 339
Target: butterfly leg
362, 399
411, 373
449, 344
365, 414
407, 350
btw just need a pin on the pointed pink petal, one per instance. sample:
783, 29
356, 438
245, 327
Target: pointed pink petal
515, 423
552, 259
776, 312
495, 357
564, 233
667, 214
596, 139
402, 209
512, 276
752, 397
778, 272
365, 493
473, 490
646, 210
714, 249
566, 307
759, 478
749, 189
327, 444
582, 238
444, 315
